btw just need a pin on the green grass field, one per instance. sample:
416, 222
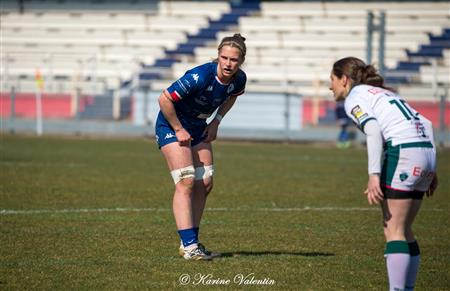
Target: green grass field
90, 214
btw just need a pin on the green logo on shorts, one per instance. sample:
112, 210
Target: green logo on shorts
403, 176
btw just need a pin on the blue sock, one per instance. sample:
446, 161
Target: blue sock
188, 236
196, 229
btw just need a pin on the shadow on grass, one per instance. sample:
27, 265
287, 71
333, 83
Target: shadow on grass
277, 253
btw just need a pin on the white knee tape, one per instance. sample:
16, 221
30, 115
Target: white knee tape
202, 173
183, 173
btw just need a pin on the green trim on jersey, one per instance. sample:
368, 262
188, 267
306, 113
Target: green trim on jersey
365, 121
417, 144
421, 144
390, 163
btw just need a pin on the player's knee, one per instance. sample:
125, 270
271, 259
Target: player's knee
185, 186
184, 177
205, 174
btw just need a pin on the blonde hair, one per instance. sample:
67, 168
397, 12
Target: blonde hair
237, 41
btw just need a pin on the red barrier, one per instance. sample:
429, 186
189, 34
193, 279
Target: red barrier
56, 105
53, 105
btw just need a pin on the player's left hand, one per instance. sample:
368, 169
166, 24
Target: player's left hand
211, 130
373, 191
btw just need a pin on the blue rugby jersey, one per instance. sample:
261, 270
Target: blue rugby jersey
199, 92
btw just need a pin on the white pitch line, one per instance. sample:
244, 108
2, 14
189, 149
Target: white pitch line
82, 210
224, 209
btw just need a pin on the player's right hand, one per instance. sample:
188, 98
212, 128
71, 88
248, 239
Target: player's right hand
183, 137
373, 191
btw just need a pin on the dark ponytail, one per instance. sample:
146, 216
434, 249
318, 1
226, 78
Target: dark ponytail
370, 76
358, 72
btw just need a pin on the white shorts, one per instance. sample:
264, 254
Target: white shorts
408, 168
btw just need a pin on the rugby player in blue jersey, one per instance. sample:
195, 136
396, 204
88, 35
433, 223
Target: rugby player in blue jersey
185, 137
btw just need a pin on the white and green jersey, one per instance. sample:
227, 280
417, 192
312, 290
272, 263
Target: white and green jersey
399, 123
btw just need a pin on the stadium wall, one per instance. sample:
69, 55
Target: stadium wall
307, 112
54, 105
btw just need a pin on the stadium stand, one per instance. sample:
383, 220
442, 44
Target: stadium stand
297, 42
227, 18
96, 47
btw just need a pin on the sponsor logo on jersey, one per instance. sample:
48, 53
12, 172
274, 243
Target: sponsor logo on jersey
203, 115
210, 88
357, 112
420, 129
230, 88
169, 135
375, 91
419, 172
202, 100
195, 77
403, 176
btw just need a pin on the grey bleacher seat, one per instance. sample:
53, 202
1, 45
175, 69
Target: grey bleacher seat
59, 86
210, 9
442, 73
81, 6
420, 92
72, 35
318, 33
